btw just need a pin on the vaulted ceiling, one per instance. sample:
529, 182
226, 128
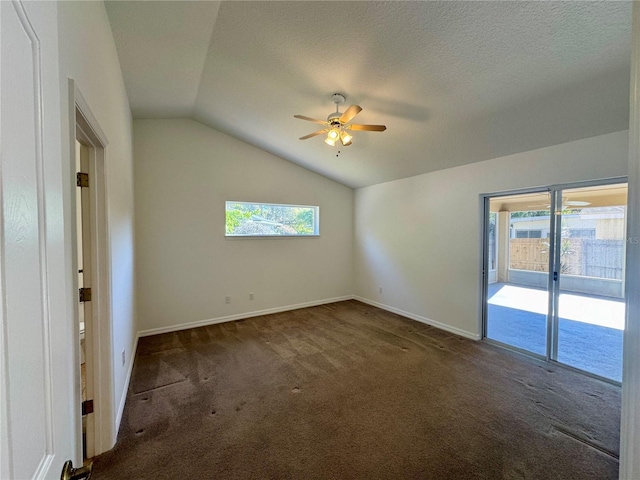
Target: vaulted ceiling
455, 81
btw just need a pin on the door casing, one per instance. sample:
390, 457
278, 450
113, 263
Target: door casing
86, 128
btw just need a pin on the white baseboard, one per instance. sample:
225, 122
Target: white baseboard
418, 318
257, 313
240, 316
127, 381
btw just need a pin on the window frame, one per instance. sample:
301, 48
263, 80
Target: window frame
528, 231
316, 221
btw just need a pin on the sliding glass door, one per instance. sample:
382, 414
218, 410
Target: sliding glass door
517, 299
554, 275
590, 264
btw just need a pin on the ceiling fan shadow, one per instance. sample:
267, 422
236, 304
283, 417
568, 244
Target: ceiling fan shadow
409, 111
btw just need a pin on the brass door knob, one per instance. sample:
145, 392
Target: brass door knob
70, 473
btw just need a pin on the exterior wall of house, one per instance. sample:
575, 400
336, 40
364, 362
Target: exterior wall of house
610, 228
417, 240
88, 56
186, 266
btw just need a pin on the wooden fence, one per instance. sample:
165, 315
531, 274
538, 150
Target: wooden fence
578, 256
603, 258
529, 254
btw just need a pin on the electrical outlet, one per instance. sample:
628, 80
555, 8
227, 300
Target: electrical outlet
227, 299
379, 289
250, 295
123, 357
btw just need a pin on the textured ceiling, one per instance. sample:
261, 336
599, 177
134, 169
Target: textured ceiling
455, 82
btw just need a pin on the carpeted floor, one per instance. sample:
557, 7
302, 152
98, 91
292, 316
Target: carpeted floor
349, 391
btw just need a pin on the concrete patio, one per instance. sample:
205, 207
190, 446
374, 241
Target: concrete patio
590, 327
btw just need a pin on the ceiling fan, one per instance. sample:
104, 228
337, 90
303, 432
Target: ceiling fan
337, 125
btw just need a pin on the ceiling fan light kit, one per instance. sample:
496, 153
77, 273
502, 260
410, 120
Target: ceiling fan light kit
337, 124
345, 138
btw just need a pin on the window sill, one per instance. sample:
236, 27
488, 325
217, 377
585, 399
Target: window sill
244, 237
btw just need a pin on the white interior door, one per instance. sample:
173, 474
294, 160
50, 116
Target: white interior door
38, 426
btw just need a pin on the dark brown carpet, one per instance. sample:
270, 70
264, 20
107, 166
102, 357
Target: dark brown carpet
349, 391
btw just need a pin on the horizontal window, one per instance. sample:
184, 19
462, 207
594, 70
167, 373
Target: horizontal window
582, 233
245, 219
528, 233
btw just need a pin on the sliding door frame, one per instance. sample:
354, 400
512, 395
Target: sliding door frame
554, 275
484, 268
553, 284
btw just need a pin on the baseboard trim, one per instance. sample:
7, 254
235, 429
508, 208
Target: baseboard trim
240, 316
418, 318
127, 381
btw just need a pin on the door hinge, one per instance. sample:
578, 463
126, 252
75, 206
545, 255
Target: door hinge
555, 276
85, 294
87, 407
82, 180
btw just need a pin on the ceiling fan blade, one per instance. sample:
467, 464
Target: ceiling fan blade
367, 128
309, 119
565, 203
319, 132
349, 113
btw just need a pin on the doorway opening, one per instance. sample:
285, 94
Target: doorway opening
554, 263
91, 276
85, 318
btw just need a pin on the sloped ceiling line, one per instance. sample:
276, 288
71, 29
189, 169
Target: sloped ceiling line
455, 82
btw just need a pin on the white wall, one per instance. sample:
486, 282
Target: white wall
630, 421
184, 172
88, 56
419, 237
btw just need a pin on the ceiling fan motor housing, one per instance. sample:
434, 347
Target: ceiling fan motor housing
333, 119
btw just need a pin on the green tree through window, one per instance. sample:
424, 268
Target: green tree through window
266, 219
